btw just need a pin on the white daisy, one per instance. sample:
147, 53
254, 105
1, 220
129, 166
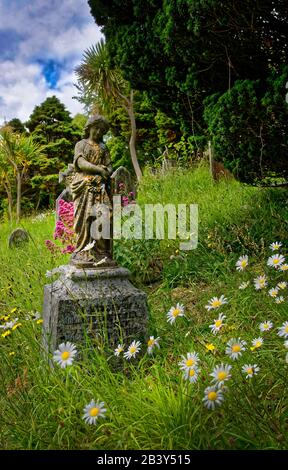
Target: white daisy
276, 260
152, 342
175, 312
279, 300
216, 302
260, 282
9, 324
244, 285
282, 285
93, 411
273, 292
235, 347
189, 361
250, 370
221, 373
119, 349
218, 323
283, 330
213, 397
284, 267
133, 349
257, 342
64, 356
266, 326
275, 246
191, 374
242, 263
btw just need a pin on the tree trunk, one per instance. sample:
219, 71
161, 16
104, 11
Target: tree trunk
132, 142
19, 191
10, 201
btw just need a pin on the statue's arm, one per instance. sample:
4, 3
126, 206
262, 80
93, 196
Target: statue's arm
90, 168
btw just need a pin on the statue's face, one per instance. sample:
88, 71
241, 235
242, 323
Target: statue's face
96, 133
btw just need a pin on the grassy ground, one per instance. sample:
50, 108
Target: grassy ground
149, 403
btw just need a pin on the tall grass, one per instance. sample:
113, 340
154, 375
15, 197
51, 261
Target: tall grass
150, 405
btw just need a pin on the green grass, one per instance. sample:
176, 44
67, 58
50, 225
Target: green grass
150, 405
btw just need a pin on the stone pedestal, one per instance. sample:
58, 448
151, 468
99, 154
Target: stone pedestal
99, 303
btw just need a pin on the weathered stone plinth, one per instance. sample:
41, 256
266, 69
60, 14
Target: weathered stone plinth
99, 303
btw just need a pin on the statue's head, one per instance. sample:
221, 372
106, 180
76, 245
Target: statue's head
96, 127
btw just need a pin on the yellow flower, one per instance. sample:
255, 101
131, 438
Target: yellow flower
16, 326
5, 317
11, 353
210, 347
39, 321
6, 333
13, 310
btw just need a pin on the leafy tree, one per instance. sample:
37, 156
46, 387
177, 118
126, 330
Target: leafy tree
108, 90
17, 151
51, 125
17, 126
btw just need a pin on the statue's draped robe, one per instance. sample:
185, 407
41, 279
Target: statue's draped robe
88, 190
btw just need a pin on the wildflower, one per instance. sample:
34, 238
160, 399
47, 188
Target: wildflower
250, 370
273, 292
235, 347
9, 324
275, 246
283, 330
260, 282
152, 342
279, 300
64, 356
189, 362
133, 349
93, 411
242, 263
284, 267
40, 321
17, 325
213, 397
6, 333
119, 349
243, 285
191, 374
12, 353
216, 302
221, 373
275, 261
175, 312
13, 310
257, 342
218, 323
282, 285
210, 347
266, 326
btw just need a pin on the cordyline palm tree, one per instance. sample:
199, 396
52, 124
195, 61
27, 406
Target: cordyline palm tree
17, 151
106, 88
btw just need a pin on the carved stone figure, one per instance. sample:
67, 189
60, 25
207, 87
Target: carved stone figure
91, 188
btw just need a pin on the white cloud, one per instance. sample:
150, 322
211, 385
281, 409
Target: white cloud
41, 30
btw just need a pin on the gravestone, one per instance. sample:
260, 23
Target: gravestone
18, 237
122, 182
93, 295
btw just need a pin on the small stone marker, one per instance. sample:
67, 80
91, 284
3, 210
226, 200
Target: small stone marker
18, 237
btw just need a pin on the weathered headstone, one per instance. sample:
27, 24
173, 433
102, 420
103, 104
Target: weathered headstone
93, 295
18, 237
122, 181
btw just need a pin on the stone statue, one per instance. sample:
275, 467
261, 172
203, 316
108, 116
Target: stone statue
91, 186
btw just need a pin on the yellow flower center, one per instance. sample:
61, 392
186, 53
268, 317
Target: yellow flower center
151, 342
176, 312
210, 347
216, 303
94, 412
190, 362
286, 329
65, 355
191, 372
258, 344
265, 326
249, 370
276, 260
218, 323
212, 396
284, 267
244, 263
236, 348
132, 349
222, 375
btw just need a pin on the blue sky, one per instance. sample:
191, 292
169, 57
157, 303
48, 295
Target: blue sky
41, 43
